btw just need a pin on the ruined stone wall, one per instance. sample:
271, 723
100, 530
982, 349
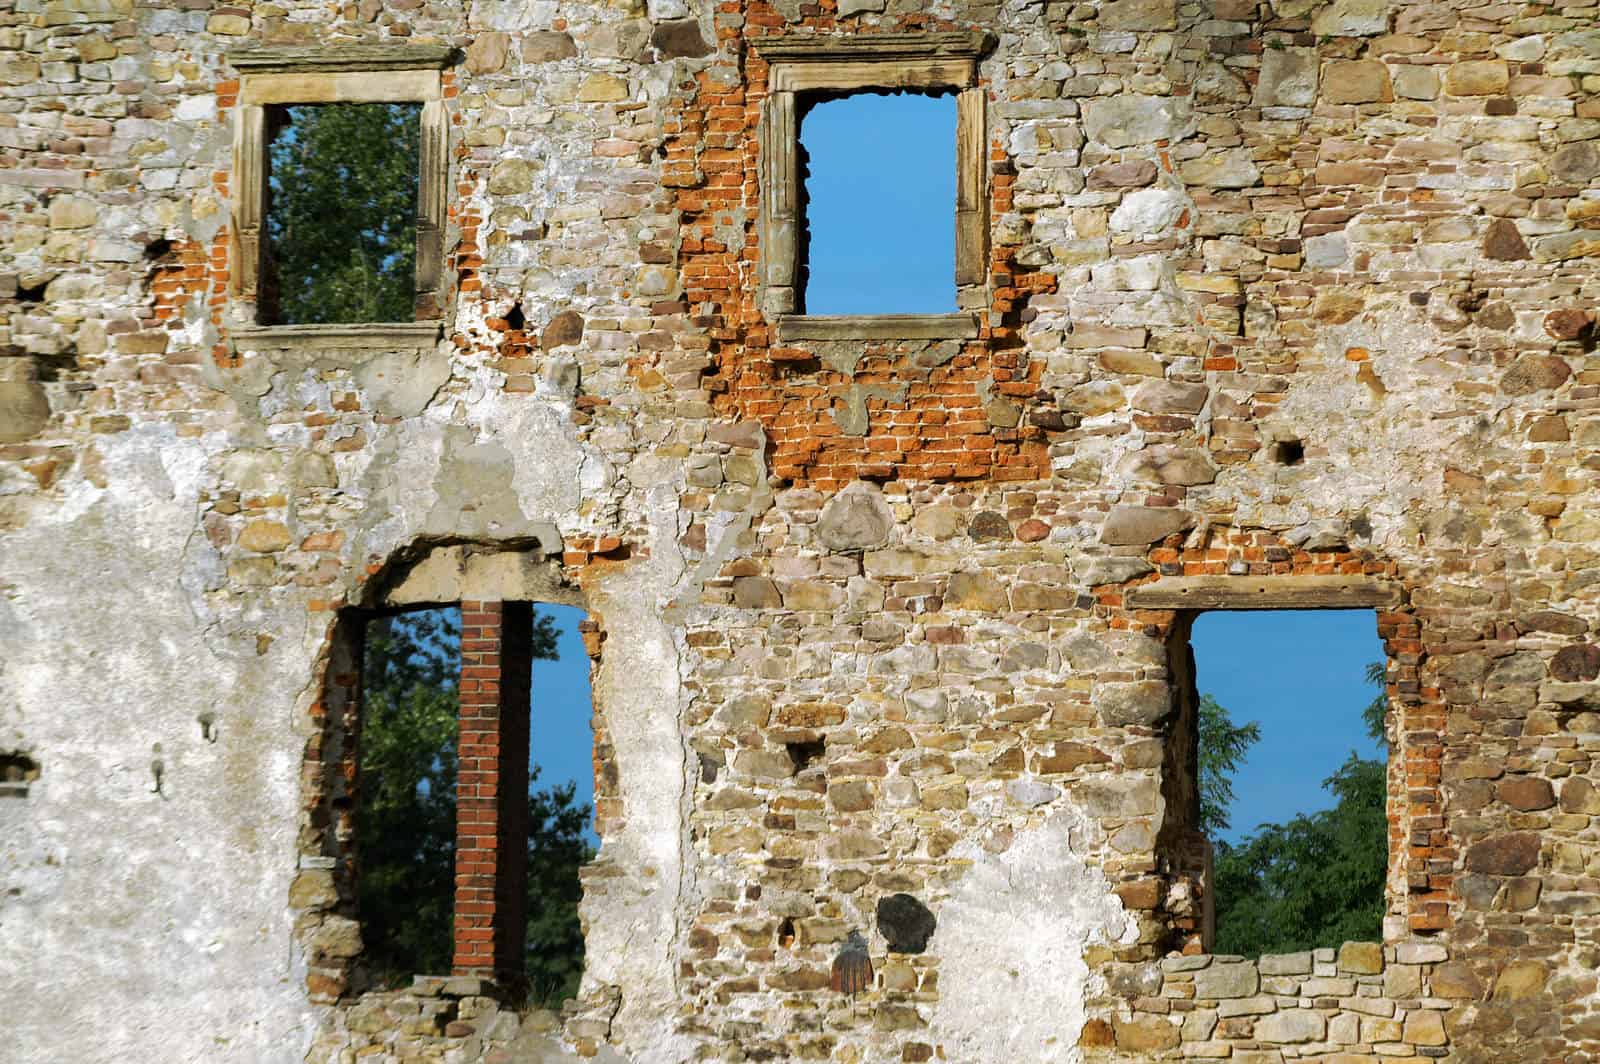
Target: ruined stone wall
1288, 291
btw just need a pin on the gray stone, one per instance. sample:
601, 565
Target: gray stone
24, 410
1286, 963
1577, 164
1352, 18
679, 39
1133, 525
1143, 702
1121, 796
1288, 78
1291, 1026
1170, 464
1225, 168
856, 519
1138, 15
1128, 120
1226, 981
1093, 572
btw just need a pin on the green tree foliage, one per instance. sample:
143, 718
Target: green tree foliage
1317, 880
1223, 746
342, 213
406, 818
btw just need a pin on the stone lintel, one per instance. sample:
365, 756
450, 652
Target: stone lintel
315, 339
1264, 593
305, 59
959, 44
877, 327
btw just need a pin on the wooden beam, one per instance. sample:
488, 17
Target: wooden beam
1264, 593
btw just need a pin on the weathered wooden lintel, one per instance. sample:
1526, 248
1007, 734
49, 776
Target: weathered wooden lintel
1264, 593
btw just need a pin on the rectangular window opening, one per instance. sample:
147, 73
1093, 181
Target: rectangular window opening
878, 203
1282, 771
340, 214
475, 795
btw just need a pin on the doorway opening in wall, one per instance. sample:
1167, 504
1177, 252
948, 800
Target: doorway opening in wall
421, 787
878, 179
1291, 768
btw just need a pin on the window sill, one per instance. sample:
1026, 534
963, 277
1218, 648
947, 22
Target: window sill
367, 336
876, 327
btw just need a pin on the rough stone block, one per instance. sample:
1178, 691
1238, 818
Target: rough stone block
1239, 980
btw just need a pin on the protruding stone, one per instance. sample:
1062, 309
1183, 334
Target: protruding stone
1535, 373
1225, 168
1143, 702
487, 52
1356, 81
1138, 15
1133, 525
855, 519
1511, 854
1288, 78
1503, 242
1291, 1026
1577, 663
1133, 174
1479, 77
1362, 958
565, 328
1577, 164
1568, 324
1526, 793
1129, 119
1233, 980
1171, 464
905, 923
1352, 18
679, 39
548, 46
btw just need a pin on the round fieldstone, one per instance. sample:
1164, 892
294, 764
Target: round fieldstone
989, 527
1535, 373
905, 923
1577, 663
855, 520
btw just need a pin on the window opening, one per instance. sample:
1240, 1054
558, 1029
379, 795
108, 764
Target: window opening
1290, 776
341, 213
475, 795
879, 192
406, 815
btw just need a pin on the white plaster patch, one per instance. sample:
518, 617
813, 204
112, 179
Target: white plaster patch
1014, 931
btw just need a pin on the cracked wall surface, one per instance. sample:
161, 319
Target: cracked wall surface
870, 603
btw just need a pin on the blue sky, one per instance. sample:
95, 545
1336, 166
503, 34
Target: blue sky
1300, 674
881, 199
562, 740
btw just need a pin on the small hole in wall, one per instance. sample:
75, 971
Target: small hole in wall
34, 294
157, 250
515, 320
786, 934
804, 753
1289, 452
17, 773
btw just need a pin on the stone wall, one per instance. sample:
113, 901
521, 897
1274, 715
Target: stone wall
1295, 291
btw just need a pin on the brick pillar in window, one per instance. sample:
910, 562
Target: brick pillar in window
492, 790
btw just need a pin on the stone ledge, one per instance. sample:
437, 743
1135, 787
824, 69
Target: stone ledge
1264, 593
375, 336
874, 46
306, 59
876, 327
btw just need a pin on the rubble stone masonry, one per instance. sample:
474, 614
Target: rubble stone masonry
1264, 303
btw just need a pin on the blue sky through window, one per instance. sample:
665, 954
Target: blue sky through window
880, 204
1300, 674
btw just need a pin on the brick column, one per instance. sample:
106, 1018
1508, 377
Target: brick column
492, 790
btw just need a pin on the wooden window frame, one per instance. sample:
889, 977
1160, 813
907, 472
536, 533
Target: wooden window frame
799, 65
